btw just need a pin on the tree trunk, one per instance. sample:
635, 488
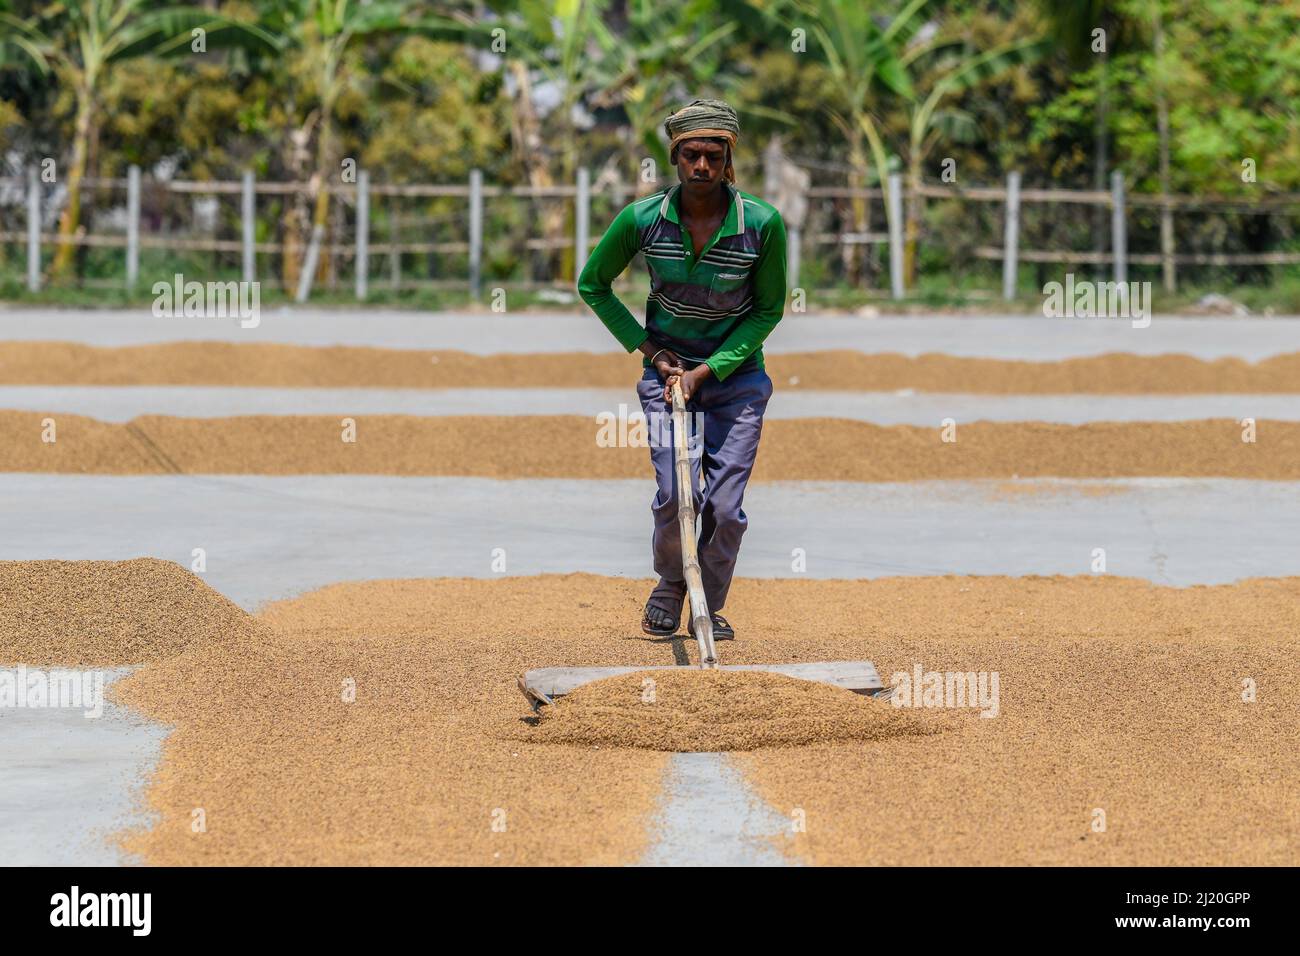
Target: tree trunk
70, 220
636, 151
1101, 160
334, 237
912, 219
321, 212
858, 174
1162, 124
527, 135
293, 225
560, 219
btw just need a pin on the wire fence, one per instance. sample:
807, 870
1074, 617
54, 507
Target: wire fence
464, 235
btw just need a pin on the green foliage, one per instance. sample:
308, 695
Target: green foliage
1242, 57
434, 117
415, 92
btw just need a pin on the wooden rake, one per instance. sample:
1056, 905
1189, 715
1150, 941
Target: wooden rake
543, 685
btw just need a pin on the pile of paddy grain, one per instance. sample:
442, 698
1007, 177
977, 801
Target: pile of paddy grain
693, 710
388, 709
109, 613
563, 446
273, 364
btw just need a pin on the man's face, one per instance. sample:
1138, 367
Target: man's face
700, 163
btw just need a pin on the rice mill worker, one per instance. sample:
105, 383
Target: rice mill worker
717, 261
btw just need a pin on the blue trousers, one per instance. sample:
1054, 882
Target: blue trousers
725, 420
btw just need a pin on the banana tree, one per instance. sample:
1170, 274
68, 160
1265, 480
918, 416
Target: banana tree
1073, 27
555, 40
78, 41
863, 55
664, 52
928, 124
320, 42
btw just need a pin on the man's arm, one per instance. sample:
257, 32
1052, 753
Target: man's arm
769, 304
608, 260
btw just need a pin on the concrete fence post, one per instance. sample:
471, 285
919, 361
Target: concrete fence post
792, 258
363, 233
132, 226
1011, 237
895, 199
248, 218
582, 221
395, 256
33, 230
1118, 234
475, 232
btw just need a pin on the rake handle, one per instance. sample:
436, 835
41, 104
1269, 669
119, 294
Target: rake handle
703, 623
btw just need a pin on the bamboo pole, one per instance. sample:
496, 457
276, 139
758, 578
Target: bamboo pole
702, 623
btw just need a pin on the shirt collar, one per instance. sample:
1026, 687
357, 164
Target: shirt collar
733, 224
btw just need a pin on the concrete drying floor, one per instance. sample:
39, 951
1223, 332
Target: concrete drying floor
703, 787
68, 780
268, 538
116, 403
1028, 338
71, 780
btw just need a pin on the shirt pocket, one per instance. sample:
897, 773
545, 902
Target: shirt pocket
729, 287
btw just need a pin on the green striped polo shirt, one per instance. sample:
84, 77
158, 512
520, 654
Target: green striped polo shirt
715, 308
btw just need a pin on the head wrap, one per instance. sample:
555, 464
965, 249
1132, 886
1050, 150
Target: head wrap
704, 119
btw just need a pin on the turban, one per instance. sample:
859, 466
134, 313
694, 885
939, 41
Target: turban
704, 119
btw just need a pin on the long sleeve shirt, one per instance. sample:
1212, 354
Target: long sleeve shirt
716, 307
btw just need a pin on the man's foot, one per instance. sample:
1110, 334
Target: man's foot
722, 631
663, 611
659, 622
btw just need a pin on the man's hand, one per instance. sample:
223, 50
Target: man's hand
691, 382
666, 362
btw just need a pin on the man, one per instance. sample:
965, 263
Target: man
717, 288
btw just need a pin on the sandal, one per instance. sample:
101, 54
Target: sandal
663, 610
722, 631
660, 622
